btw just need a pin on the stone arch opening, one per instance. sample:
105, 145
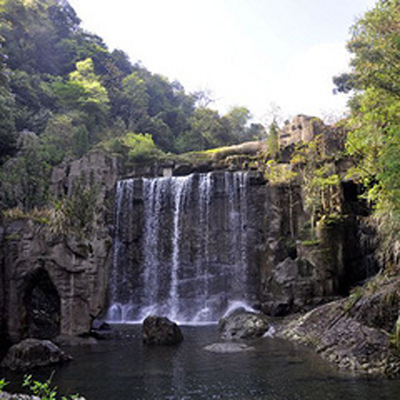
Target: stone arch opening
42, 305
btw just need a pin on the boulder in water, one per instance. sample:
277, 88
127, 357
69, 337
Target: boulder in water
160, 330
228, 347
102, 331
241, 324
32, 353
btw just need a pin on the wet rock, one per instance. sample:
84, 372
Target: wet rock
31, 353
243, 324
228, 347
9, 396
160, 330
102, 331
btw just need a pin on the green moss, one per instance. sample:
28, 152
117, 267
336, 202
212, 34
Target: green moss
311, 242
355, 295
332, 220
12, 237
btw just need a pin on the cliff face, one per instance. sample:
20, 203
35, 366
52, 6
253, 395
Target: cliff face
298, 273
55, 283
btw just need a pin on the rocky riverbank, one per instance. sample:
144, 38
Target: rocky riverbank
357, 333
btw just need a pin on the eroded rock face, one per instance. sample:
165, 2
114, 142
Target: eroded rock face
298, 274
243, 325
31, 353
161, 331
51, 289
55, 283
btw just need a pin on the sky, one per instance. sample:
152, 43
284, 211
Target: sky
266, 55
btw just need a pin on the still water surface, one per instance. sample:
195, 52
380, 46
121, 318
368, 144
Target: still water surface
124, 369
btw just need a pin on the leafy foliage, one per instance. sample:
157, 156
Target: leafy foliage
25, 178
3, 384
63, 84
44, 390
273, 140
134, 147
374, 140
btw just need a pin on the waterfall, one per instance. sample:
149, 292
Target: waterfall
180, 247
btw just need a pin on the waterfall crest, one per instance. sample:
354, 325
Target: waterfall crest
180, 247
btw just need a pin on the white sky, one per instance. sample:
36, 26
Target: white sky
249, 53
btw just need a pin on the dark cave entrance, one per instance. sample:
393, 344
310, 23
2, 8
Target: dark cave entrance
42, 304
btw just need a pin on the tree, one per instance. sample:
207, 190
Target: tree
207, 130
25, 179
57, 138
374, 140
93, 92
84, 93
7, 107
238, 118
273, 140
134, 101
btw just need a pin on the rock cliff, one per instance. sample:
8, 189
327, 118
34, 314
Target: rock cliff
55, 282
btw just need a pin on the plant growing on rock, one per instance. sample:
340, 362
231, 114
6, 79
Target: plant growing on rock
3, 384
76, 214
44, 390
41, 390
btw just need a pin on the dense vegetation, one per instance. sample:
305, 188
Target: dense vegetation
62, 93
374, 123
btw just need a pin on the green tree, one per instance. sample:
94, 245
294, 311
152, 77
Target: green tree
273, 140
134, 101
25, 179
7, 108
238, 118
374, 140
84, 93
207, 130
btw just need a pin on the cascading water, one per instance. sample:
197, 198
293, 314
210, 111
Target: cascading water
180, 247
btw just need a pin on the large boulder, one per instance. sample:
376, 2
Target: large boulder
242, 324
160, 330
32, 353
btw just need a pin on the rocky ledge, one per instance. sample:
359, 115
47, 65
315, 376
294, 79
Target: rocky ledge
356, 333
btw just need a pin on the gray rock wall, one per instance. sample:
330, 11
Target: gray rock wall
298, 273
76, 269
56, 283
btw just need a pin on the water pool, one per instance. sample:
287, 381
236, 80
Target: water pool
124, 369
